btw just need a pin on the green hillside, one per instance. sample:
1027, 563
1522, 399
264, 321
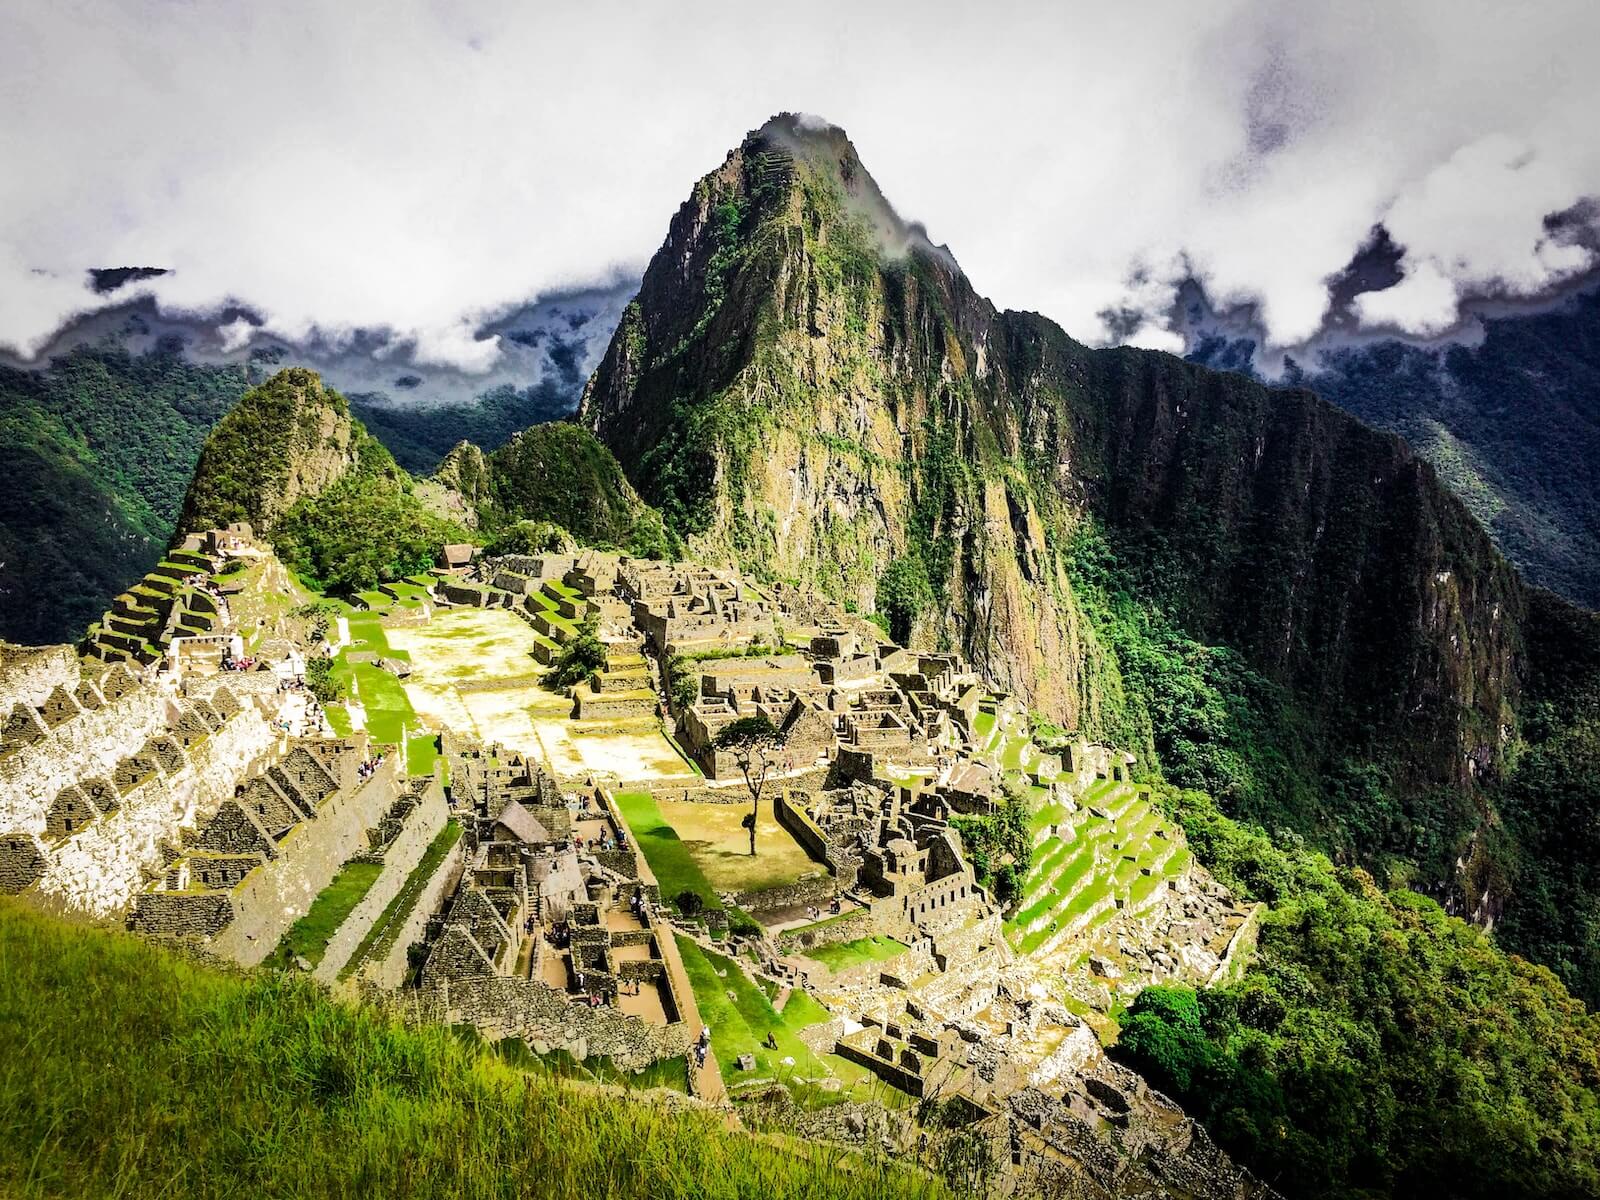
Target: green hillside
135, 1073
96, 451
562, 473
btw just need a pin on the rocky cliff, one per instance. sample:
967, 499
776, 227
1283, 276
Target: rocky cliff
804, 384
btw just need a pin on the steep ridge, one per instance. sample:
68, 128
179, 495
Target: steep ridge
1511, 422
803, 384
286, 439
96, 449
806, 385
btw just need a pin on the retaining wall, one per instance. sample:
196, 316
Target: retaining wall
422, 825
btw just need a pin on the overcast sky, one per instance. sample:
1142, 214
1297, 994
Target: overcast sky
412, 164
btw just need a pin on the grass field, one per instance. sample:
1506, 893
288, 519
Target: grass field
379, 940
422, 755
463, 644
720, 845
675, 868
740, 1026
308, 937
380, 693
148, 1075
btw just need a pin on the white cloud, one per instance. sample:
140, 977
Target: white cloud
413, 164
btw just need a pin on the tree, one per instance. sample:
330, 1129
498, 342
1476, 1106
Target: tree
754, 743
531, 537
904, 593
583, 655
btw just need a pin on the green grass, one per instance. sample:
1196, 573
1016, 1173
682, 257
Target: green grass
669, 1073
380, 938
172, 1078
384, 697
800, 1010
740, 1026
842, 955
422, 754
339, 719
669, 858
308, 937
982, 726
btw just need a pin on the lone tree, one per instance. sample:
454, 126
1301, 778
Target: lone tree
754, 742
583, 656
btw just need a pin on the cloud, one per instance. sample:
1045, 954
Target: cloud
416, 166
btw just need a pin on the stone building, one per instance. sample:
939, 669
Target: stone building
553, 934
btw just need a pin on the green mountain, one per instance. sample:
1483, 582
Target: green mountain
100, 443
1270, 599
291, 459
560, 473
1511, 423
96, 451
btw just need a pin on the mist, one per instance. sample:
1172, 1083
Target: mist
396, 177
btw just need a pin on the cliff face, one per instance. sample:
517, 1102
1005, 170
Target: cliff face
286, 439
806, 385
1326, 552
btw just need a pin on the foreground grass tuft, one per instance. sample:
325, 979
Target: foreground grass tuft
132, 1072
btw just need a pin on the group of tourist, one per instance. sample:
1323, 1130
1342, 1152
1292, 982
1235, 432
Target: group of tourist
639, 907
592, 995
813, 913
369, 768
242, 663
702, 1046
604, 842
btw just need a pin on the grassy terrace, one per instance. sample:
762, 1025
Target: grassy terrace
422, 754
1064, 882
559, 1064
740, 1026
674, 867
842, 955
174, 1079
381, 694
380, 938
308, 937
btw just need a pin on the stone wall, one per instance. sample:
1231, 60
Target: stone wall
401, 856
847, 928
89, 744
277, 893
100, 869
817, 889
501, 1006
244, 685
30, 673
390, 969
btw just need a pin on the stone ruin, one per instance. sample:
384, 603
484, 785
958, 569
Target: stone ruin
554, 934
